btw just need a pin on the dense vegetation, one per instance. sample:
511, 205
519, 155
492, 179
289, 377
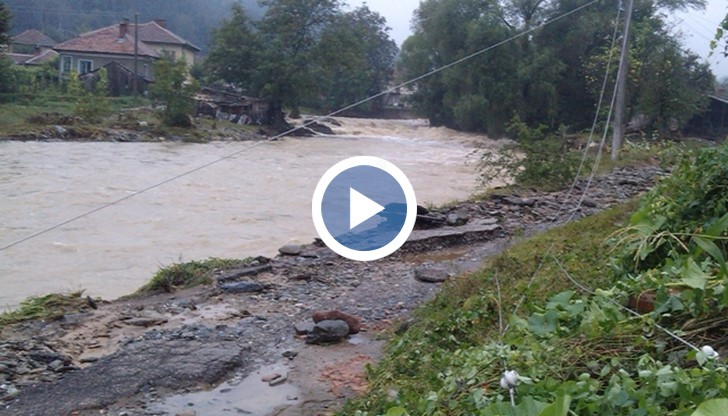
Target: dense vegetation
304, 53
589, 337
554, 75
63, 19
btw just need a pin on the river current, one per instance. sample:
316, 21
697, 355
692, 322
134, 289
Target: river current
248, 205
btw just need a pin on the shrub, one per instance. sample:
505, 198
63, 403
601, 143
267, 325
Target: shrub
538, 159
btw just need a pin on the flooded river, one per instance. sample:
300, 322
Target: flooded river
244, 206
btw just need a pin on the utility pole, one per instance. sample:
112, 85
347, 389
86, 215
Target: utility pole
136, 53
619, 104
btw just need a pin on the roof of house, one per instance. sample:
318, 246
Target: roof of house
41, 58
719, 99
153, 32
106, 41
34, 38
19, 58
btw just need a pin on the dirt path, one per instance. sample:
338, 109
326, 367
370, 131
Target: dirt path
206, 351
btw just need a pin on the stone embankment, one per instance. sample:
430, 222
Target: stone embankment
299, 312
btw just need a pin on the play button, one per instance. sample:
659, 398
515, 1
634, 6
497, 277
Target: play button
361, 208
364, 208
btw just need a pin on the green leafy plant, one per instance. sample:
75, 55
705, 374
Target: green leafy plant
91, 103
189, 274
175, 89
538, 159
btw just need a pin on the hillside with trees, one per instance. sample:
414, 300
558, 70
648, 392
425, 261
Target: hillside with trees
63, 19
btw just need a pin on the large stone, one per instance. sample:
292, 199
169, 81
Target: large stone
432, 274
303, 328
242, 287
326, 332
290, 250
353, 322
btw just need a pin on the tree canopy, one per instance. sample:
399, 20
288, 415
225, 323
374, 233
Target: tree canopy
553, 75
304, 53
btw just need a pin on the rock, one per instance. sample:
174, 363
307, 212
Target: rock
320, 128
431, 274
188, 412
353, 322
422, 210
270, 377
590, 203
430, 221
488, 221
242, 287
326, 332
290, 250
290, 354
147, 321
55, 365
60, 130
454, 220
143, 124
4, 369
244, 272
278, 381
303, 328
522, 202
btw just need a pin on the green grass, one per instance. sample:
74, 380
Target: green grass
464, 315
189, 274
51, 307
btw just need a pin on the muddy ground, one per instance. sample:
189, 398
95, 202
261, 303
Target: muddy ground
208, 350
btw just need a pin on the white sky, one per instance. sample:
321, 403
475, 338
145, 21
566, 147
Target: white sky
698, 27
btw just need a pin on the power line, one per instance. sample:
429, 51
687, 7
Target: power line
285, 133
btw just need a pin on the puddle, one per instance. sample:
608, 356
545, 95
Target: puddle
249, 396
439, 256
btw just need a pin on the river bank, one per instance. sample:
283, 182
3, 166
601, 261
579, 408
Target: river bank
151, 355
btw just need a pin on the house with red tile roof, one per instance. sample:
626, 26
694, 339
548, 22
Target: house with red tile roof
31, 48
29, 41
98, 48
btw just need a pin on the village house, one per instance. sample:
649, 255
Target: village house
117, 44
31, 47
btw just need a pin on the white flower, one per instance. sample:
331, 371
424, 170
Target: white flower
709, 352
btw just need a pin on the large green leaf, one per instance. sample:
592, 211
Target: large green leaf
693, 276
559, 408
711, 248
715, 407
396, 411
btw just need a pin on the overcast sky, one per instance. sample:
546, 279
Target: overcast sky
697, 27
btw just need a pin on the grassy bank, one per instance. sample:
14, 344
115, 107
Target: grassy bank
25, 115
576, 346
167, 279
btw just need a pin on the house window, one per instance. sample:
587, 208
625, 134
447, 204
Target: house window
66, 64
85, 66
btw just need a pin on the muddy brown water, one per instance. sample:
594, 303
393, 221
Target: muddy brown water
246, 206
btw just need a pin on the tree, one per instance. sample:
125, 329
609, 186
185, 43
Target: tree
174, 88
304, 52
720, 33
290, 31
548, 76
355, 59
91, 104
6, 84
235, 51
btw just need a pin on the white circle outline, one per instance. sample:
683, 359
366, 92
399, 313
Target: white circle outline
393, 171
